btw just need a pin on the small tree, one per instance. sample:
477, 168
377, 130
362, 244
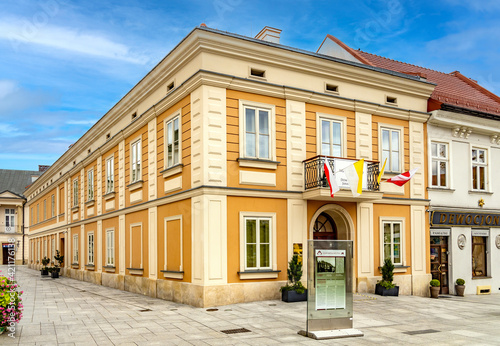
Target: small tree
294, 273
59, 258
45, 261
387, 274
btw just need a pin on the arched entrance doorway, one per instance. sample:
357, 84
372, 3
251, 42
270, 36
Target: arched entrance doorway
324, 227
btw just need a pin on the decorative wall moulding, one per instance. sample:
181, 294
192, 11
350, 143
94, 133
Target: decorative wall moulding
461, 241
462, 132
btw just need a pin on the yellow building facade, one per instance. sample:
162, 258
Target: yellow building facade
198, 184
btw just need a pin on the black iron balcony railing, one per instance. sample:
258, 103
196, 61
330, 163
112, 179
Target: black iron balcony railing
314, 172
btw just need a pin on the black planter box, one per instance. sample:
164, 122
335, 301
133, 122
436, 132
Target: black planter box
382, 291
292, 296
44, 272
55, 274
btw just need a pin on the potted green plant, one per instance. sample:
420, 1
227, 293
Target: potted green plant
386, 287
45, 270
460, 287
296, 292
435, 288
57, 268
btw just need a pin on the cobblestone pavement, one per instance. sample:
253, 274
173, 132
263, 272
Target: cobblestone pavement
70, 312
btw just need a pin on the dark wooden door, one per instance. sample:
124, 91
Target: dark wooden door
439, 262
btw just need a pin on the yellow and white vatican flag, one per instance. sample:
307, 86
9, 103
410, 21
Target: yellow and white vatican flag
381, 172
332, 181
354, 175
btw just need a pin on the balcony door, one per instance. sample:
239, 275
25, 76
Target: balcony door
331, 137
324, 228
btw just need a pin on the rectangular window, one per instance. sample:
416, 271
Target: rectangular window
331, 137
479, 167
75, 193
110, 175
90, 185
257, 133
172, 139
44, 209
53, 206
110, 247
392, 241
479, 256
52, 249
10, 220
391, 149
136, 161
90, 257
75, 248
258, 243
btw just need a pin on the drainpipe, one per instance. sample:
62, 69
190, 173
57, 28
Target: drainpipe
23, 232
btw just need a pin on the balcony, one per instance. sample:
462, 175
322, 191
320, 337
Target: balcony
10, 229
316, 185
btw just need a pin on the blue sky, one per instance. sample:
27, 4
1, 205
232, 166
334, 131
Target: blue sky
65, 63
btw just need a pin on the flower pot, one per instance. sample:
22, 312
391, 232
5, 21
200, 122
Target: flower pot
435, 292
55, 274
460, 289
292, 296
382, 291
44, 272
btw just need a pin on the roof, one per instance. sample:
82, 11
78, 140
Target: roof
453, 88
16, 181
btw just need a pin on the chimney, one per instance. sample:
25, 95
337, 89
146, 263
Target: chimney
269, 34
42, 168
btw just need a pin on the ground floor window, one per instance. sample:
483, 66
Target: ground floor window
479, 256
258, 243
75, 248
110, 247
392, 234
90, 259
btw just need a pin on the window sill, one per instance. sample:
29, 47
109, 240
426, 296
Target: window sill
90, 267
257, 163
444, 189
75, 208
109, 195
135, 185
176, 169
136, 271
480, 192
90, 203
259, 274
109, 269
398, 269
75, 265
171, 274
481, 277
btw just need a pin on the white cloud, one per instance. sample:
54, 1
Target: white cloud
19, 31
9, 131
7, 87
81, 122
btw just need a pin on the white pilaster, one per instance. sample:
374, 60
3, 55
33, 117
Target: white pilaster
295, 144
121, 244
99, 186
121, 175
98, 244
152, 243
365, 240
297, 229
363, 136
82, 193
153, 176
417, 183
83, 253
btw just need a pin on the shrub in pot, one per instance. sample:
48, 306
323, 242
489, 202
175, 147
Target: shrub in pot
296, 292
386, 287
435, 288
57, 268
45, 270
460, 287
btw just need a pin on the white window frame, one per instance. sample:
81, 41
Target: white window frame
53, 205
269, 272
343, 130
391, 220
486, 164
90, 248
110, 247
165, 231
135, 161
439, 159
400, 129
90, 185
138, 224
170, 120
110, 174
243, 104
75, 192
75, 248
10, 219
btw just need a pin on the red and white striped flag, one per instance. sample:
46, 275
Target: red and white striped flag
403, 178
334, 187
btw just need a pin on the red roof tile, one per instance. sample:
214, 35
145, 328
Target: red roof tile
452, 88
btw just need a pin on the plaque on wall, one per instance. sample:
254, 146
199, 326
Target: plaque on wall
461, 241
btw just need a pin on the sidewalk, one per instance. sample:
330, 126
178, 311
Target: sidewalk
70, 312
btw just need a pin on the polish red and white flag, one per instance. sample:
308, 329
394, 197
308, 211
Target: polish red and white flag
403, 178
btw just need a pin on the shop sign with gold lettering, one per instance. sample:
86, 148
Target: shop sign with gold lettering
451, 218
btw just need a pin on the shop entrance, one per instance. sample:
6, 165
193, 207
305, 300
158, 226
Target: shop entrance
439, 261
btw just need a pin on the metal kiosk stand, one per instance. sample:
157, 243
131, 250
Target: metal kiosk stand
329, 287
